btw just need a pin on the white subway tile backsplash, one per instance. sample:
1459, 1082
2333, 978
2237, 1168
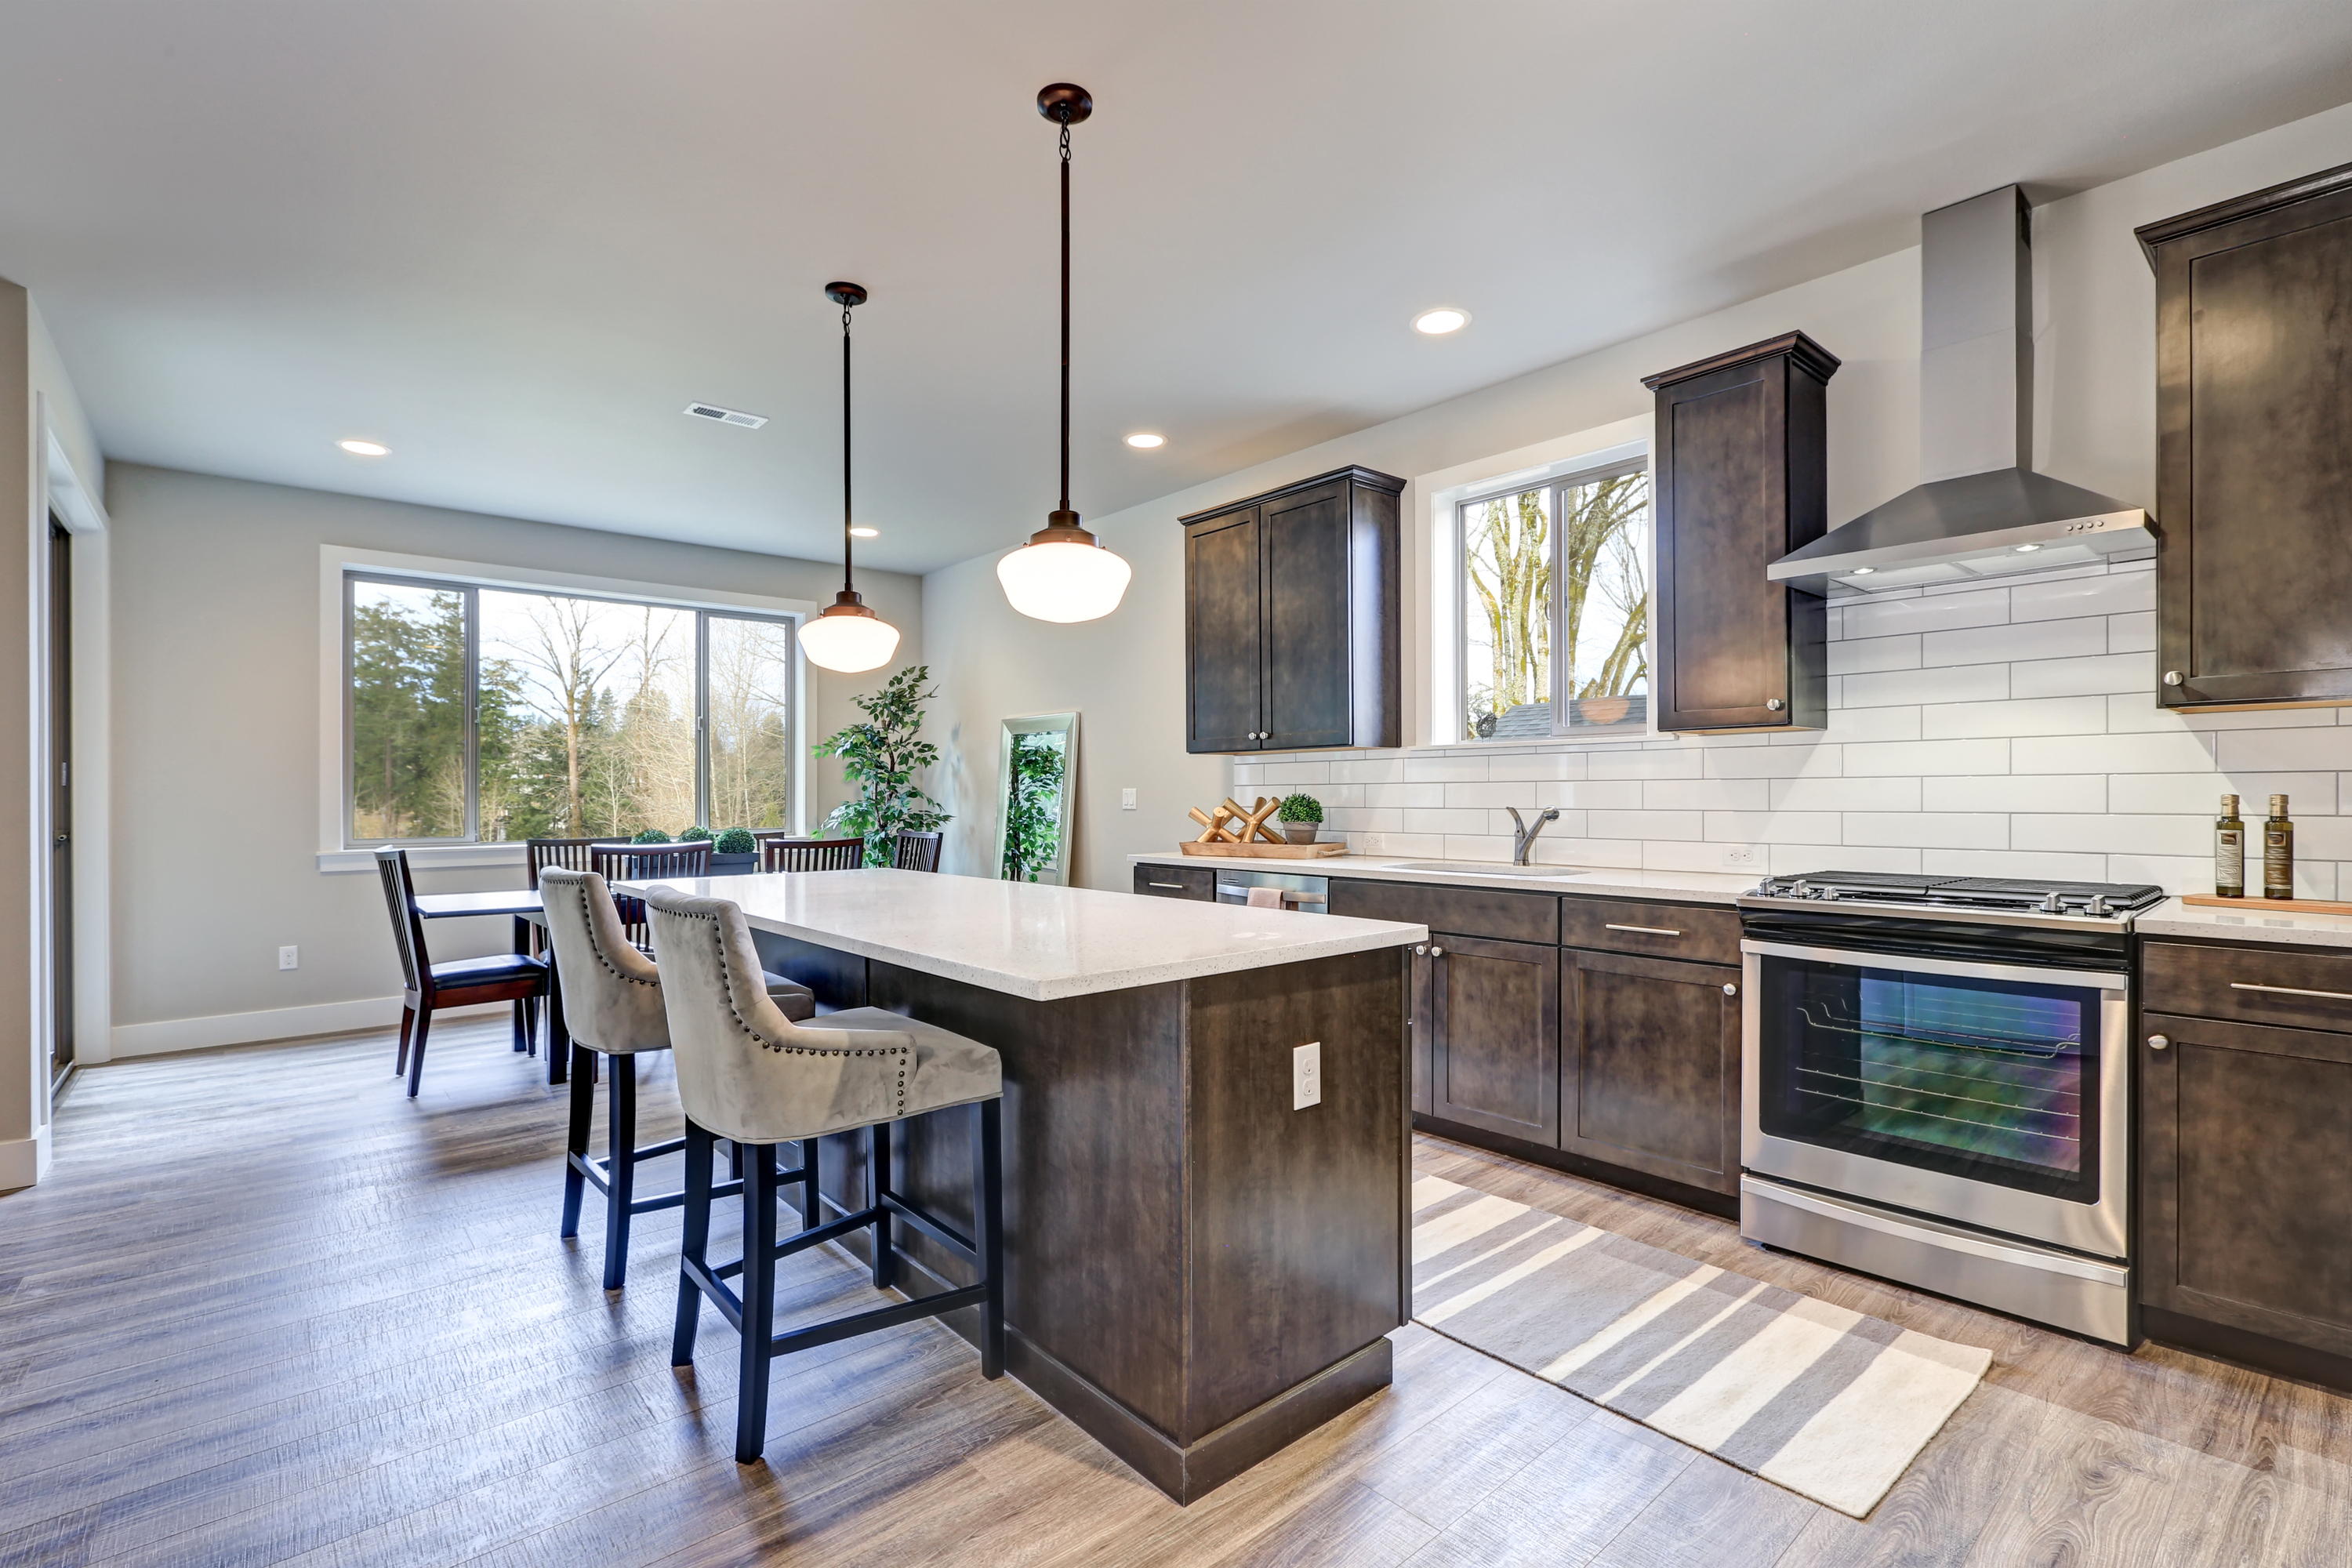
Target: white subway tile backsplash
1919, 757
2011, 644
1646, 824
2311, 795
1291, 775
1537, 769
1774, 827
1365, 770
1602, 795
2116, 593
1929, 829
2013, 863
1867, 724
1846, 794
1796, 859
1707, 795
2081, 676
2185, 752
1476, 847
1444, 770
1896, 687
2016, 792
1820, 760
2316, 837
1621, 854
2111, 834
2283, 750
1519, 793
1680, 762
2174, 873
1451, 820
2045, 716
1873, 653
1661, 856
1895, 617
1363, 819
2134, 633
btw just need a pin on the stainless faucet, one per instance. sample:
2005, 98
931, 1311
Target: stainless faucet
1523, 837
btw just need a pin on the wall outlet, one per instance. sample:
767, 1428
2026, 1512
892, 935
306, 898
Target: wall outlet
289, 958
1373, 843
1740, 855
1127, 800
1307, 1074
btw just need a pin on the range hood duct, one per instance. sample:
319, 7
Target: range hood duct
1983, 512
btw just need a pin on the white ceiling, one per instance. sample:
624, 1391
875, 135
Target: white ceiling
511, 240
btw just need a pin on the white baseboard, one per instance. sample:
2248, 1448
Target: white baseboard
24, 1161
271, 1024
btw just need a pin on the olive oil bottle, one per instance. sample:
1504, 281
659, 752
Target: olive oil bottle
2229, 850
2278, 852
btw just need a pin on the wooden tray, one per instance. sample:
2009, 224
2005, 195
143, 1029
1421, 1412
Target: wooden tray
1264, 851
2251, 905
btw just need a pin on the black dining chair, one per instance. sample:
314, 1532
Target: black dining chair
917, 852
645, 863
811, 854
516, 977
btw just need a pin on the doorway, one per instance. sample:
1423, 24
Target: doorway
61, 924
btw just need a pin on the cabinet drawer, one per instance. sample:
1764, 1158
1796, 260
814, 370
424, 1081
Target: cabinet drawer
2300, 990
1461, 911
1688, 932
1176, 882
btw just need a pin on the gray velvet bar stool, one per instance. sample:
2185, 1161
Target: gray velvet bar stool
613, 1007
747, 1073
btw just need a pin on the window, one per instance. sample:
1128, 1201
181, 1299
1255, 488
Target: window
1555, 608
488, 714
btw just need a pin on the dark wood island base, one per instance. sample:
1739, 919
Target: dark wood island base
1197, 1273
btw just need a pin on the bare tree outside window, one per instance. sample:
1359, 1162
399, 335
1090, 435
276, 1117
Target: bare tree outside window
1556, 609
750, 730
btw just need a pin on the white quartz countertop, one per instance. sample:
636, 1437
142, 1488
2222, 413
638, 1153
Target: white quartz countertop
2208, 922
1597, 882
1031, 941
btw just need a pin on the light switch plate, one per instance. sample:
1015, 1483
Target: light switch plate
289, 958
1127, 800
1307, 1074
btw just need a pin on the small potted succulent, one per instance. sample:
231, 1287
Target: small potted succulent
1300, 815
734, 853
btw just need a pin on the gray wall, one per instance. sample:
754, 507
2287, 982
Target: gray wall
2094, 369
216, 757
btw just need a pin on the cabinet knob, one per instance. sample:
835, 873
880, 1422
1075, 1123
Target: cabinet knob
2173, 677
1772, 704
1438, 952
2158, 1042
1729, 989
1420, 950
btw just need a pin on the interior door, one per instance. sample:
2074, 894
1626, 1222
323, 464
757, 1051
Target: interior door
1224, 653
1495, 1062
61, 947
1304, 542
1650, 1058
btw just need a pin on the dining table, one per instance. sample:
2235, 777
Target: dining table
522, 905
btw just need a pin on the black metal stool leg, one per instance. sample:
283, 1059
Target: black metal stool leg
620, 1169
809, 1218
734, 1161
697, 1241
988, 1232
759, 1297
576, 1142
877, 1171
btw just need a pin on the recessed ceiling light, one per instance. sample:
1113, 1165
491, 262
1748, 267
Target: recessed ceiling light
1862, 571
2027, 549
862, 532
366, 448
1145, 440
1437, 323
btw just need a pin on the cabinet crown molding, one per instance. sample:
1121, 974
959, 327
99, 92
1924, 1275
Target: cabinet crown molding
2164, 231
1816, 360
1372, 479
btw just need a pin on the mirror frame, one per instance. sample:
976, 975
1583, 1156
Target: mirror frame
1067, 725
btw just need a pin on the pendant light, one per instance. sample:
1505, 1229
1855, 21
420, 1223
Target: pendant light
1064, 572
847, 636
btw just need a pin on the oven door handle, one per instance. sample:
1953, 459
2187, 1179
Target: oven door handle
1961, 969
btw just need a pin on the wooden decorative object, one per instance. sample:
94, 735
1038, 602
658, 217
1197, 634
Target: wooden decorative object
1264, 851
2270, 905
1229, 829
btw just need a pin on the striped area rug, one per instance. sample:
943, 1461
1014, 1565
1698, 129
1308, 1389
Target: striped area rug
1826, 1402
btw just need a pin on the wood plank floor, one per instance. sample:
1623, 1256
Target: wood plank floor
266, 1309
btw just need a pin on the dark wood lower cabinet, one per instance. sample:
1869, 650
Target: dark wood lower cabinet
2245, 1178
1493, 1046
1650, 1065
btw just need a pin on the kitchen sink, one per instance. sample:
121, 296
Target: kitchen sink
1487, 868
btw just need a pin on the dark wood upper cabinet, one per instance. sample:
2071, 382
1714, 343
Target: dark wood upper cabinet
2254, 481
1739, 477
1650, 1065
1291, 634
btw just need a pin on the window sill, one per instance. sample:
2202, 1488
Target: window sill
424, 857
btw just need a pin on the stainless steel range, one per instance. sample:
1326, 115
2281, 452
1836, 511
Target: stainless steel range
1937, 1086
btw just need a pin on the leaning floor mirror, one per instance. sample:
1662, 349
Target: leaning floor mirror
1035, 781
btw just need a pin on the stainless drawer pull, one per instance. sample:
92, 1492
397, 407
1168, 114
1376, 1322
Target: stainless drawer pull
2292, 990
1172, 887
1646, 930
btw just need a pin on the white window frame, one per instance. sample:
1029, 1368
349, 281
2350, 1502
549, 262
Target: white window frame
335, 854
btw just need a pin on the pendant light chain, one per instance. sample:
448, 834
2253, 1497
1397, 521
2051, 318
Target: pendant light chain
848, 540
1065, 308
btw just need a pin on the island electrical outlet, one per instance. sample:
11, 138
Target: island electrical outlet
1307, 1074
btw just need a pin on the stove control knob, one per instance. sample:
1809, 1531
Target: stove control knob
2054, 905
2158, 1042
2098, 907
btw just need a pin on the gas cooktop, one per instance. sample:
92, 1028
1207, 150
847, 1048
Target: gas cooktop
2019, 895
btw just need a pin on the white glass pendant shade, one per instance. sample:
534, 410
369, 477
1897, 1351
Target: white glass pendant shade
1064, 581
848, 641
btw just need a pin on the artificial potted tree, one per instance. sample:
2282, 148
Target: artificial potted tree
734, 853
1301, 816
879, 759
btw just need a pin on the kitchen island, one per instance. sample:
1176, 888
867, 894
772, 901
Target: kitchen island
1199, 1268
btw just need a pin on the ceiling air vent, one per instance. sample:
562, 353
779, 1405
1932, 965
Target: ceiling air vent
711, 411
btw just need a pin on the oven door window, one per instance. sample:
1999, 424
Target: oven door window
1995, 1080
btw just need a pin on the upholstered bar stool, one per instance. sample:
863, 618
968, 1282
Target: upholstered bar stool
747, 1073
612, 1005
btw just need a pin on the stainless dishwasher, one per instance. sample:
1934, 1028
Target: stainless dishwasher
1308, 895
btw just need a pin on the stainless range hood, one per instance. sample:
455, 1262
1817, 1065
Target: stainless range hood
1984, 513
